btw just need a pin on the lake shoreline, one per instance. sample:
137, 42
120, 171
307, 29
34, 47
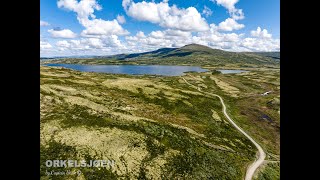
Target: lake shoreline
162, 70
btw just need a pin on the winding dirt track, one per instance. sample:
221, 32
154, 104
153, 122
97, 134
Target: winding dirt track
254, 166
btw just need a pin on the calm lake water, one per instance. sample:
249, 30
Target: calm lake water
225, 71
133, 69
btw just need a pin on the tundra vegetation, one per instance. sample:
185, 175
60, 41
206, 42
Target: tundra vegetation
158, 127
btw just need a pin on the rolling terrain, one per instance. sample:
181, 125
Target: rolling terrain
274, 55
157, 127
192, 54
197, 126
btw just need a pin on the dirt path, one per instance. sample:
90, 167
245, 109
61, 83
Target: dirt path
252, 168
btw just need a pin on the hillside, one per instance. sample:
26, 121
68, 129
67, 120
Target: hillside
274, 55
192, 54
157, 127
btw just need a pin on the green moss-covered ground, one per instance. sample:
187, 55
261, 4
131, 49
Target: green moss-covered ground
156, 127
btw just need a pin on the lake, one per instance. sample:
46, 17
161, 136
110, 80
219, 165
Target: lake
133, 69
230, 71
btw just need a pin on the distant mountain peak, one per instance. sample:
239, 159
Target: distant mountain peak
195, 45
194, 54
199, 48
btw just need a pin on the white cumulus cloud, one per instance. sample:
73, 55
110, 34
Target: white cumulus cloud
64, 44
44, 23
260, 33
45, 45
235, 13
166, 38
228, 4
230, 25
64, 33
98, 27
213, 38
84, 8
121, 19
91, 43
95, 27
257, 44
166, 16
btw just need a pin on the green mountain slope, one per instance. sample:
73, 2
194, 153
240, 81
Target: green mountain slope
274, 55
192, 54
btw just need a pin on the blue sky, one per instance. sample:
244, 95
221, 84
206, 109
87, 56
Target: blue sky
103, 27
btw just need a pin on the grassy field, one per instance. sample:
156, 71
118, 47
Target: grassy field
157, 127
270, 170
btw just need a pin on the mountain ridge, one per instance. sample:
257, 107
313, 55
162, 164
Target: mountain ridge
199, 53
191, 54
